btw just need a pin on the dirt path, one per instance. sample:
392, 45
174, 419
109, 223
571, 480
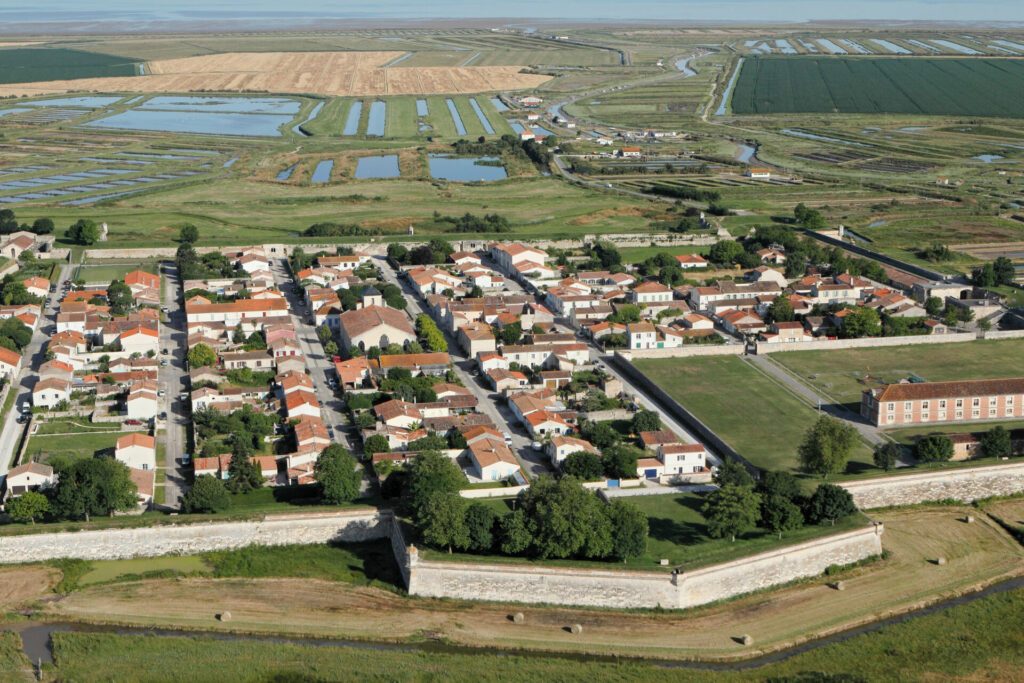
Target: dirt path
977, 553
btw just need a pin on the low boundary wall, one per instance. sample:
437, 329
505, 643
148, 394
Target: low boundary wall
629, 589
686, 351
866, 343
964, 484
183, 539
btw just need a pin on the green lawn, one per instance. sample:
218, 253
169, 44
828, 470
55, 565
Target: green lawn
982, 640
107, 272
639, 254
762, 420
73, 425
362, 564
46, 448
844, 375
13, 664
112, 570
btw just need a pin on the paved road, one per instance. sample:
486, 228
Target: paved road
27, 377
534, 463
173, 379
320, 367
869, 432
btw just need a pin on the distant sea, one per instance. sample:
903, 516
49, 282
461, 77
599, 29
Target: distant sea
303, 12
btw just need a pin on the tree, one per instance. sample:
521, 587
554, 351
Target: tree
480, 522
16, 294
243, 474
829, 503
934, 448
933, 306
827, 446
378, 443
781, 310
201, 355
84, 231
337, 475
514, 534
28, 507
92, 486
984, 276
620, 461
565, 520
601, 434
445, 526
779, 514
1004, 270
119, 296
996, 443
726, 252
886, 455
18, 332
731, 511
629, 530
862, 322
779, 484
42, 226
646, 421
511, 333
206, 495
626, 313
430, 474
189, 234
584, 466
732, 473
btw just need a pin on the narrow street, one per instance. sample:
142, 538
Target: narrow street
534, 463
173, 380
26, 379
320, 367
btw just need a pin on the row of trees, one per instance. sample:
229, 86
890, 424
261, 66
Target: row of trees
553, 518
430, 336
435, 251
9, 223
994, 274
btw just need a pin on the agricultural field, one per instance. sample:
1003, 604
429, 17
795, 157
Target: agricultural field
845, 375
967, 87
759, 418
320, 73
28, 64
976, 554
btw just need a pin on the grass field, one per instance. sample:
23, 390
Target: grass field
846, 374
24, 65
14, 666
108, 272
112, 570
639, 254
976, 554
962, 87
753, 414
84, 445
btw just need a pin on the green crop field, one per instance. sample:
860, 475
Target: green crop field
969, 87
748, 410
26, 65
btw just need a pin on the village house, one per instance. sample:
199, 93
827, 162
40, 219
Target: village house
647, 293
136, 450
491, 459
561, 447
48, 393
32, 476
141, 402
431, 364
912, 403
507, 381
378, 326
784, 333
10, 361
687, 261
302, 403
476, 338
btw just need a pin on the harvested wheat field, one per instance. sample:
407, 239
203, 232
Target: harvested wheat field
976, 554
319, 73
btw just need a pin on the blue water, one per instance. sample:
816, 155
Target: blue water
230, 162
955, 47
516, 126
246, 125
352, 120
926, 46
459, 128
224, 105
322, 172
728, 89
498, 104
541, 131
464, 169
684, 66
988, 158
8, 112
286, 173
785, 47
376, 119
745, 153
1010, 44
312, 115
856, 47
891, 47
98, 198
378, 167
480, 115
153, 155
421, 108
84, 102
822, 138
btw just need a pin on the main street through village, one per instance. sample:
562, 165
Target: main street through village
174, 382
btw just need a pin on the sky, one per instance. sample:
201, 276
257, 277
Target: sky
587, 10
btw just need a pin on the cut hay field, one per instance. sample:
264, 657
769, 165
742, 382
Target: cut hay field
976, 554
959, 87
319, 73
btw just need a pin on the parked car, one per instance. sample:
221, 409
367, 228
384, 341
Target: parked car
536, 445
163, 415
183, 396
165, 351
508, 438
23, 418
134, 423
186, 458
160, 392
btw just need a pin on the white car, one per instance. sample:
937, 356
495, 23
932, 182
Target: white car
536, 445
508, 438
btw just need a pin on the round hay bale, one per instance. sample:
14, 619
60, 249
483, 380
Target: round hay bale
969, 519
940, 561
839, 585
747, 640
518, 618
224, 616
576, 629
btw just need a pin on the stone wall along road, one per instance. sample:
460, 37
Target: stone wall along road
965, 484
